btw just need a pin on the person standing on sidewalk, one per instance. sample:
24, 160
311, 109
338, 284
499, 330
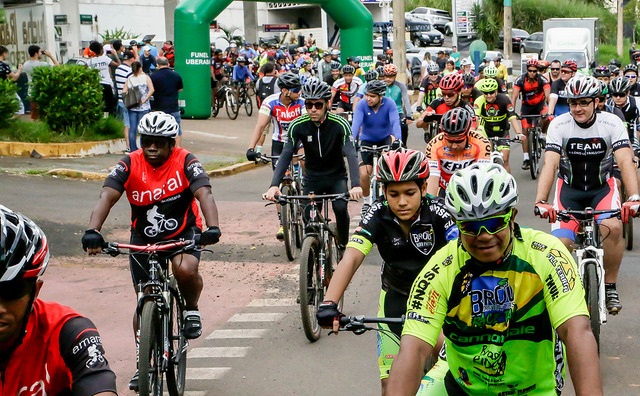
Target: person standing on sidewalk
167, 84
121, 74
6, 73
140, 81
35, 60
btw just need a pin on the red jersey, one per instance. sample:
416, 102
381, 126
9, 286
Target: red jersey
532, 91
61, 353
162, 199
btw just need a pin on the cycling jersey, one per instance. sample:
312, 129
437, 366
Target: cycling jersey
557, 90
474, 94
398, 93
635, 90
281, 115
494, 117
587, 152
60, 354
162, 199
376, 125
241, 73
443, 162
498, 322
631, 113
431, 90
532, 91
440, 107
346, 91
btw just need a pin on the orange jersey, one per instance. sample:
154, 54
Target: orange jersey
443, 162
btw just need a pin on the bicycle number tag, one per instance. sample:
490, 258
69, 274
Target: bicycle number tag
312, 213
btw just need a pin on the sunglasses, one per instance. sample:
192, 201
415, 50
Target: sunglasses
454, 141
311, 105
159, 142
433, 74
580, 103
618, 94
491, 93
449, 94
631, 76
14, 290
491, 225
566, 71
295, 90
532, 70
555, 68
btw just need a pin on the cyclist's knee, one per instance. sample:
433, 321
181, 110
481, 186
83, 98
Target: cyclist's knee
611, 228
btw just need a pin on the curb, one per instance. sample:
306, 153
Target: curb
61, 150
226, 171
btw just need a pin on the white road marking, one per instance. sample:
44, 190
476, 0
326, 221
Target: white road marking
272, 302
257, 317
237, 333
292, 276
212, 135
206, 373
218, 352
273, 290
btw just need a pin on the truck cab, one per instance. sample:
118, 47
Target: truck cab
572, 38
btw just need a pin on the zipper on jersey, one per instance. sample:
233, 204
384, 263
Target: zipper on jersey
319, 145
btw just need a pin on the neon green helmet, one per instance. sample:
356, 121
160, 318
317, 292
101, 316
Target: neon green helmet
490, 71
480, 191
487, 85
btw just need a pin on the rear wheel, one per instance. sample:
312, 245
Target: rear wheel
311, 291
590, 282
231, 105
533, 154
248, 105
287, 215
150, 372
177, 368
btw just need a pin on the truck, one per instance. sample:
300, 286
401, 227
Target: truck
571, 38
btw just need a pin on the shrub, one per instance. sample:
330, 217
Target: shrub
39, 132
68, 97
9, 104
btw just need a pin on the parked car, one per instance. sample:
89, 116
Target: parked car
438, 18
517, 35
423, 34
533, 44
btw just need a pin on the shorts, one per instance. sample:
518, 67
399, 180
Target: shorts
215, 81
525, 109
139, 263
432, 383
392, 305
123, 113
604, 198
366, 157
345, 106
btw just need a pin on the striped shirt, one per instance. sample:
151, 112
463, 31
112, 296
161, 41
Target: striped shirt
122, 73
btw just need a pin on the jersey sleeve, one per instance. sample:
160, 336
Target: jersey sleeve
619, 134
554, 137
82, 351
119, 175
431, 152
266, 108
365, 234
195, 173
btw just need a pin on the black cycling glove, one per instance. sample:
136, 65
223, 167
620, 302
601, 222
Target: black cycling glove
252, 155
92, 239
210, 237
327, 312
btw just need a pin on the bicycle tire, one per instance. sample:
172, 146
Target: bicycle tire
288, 225
150, 353
231, 105
214, 109
248, 105
334, 258
311, 291
533, 154
177, 367
590, 282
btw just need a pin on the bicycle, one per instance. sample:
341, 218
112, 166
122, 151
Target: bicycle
160, 307
319, 257
537, 142
590, 260
225, 97
627, 228
376, 188
291, 212
496, 155
244, 99
432, 128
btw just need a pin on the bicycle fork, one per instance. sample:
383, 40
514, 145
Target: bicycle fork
595, 257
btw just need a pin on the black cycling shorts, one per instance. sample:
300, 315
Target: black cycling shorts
366, 157
345, 106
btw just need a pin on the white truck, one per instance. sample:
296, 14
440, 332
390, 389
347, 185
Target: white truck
571, 38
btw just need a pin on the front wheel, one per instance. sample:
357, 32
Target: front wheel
231, 105
178, 344
534, 155
288, 225
311, 291
151, 351
591, 285
248, 105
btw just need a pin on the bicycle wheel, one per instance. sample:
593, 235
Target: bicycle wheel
214, 109
178, 344
231, 105
311, 291
248, 105
150, 354
533, 154
288, 224
335, 255
590, 282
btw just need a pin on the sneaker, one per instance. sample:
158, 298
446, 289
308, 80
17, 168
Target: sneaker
133, 384
192, 324
526, 164
613, 301
280, 234
365, 209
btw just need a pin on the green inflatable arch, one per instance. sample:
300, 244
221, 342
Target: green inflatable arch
192, 58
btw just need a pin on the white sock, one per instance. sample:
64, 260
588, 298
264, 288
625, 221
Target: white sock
367, 200
526, 156
258, 149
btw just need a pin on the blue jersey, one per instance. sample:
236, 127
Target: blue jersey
375, 126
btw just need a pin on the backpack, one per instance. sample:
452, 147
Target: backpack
265, 89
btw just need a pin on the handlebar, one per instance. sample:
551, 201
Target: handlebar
113, 248
500, 140
357, 324
375, 149
521, 116
284, 199
586, 214
272, 158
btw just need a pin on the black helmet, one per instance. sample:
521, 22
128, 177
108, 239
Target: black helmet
456, 121
630, 67
380, 70
348, 69
615, 62
602, 71
316, 89
370, 75
289, 80
468, 79
241, 59
619, 85
335, 65
377, 87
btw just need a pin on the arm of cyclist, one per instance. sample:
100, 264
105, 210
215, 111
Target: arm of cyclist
349, 151
553, 100
423, 120
545, 183
92, 241
358, 118
281, 168
433, 182
515, 91
582, 354
209, 210
624, 158
408, 366
394, 120
406, 103
263, 120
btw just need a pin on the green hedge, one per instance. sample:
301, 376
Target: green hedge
9, 104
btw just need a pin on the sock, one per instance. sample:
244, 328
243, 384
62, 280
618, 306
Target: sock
609, 285
258, 149
526, 156
367, 200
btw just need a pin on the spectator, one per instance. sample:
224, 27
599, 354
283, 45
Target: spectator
632, 51
6, 73
311, 41
503, 73
324, 66
140, 81
441, 60
455, 55
101, 62
121, 75
112, 54
147, 60
450, 67
35, 60
167, 84
169, 53
152, 48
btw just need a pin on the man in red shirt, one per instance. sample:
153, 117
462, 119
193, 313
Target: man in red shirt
45, 348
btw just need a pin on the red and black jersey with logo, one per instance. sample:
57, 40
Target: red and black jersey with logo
532, 91
162, 199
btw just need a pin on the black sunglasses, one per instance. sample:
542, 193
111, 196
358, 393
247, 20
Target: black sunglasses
159, 142
555, 68
618, 94
14, 290
311, 105
532, 70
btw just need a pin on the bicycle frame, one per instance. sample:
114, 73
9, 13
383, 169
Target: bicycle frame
496, 155
376, 190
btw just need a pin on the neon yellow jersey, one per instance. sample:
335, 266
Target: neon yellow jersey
499, 323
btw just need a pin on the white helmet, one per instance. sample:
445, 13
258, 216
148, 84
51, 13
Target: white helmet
158, 123
480, 191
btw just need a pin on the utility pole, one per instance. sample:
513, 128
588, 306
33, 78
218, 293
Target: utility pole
508, 24
620, 38
399, 46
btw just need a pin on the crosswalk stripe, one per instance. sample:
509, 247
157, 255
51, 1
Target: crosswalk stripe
206, 373
257, 317
237, 333
272, 302
219, 352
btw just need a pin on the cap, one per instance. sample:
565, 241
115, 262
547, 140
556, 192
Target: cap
146, 48
108, 47
128, 55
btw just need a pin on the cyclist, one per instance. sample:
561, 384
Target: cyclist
217, 74
535, 94
602, 73
280, 109
408, 228
557, 96
450, 85
45, 347
429, 87
543, 69
554, 71
456, 147
334, 75
326, 139
495, 112
344, 89
375, 122
241, 72
168, 180
469, 93
630, 71
588, 142
603, 105
368, 76
502, 299
397, 92
492, 72
620, 98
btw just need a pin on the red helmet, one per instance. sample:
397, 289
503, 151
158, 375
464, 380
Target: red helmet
452, 82
533, 62
402, 165
390, 69
570, 64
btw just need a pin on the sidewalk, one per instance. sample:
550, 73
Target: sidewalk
219, 143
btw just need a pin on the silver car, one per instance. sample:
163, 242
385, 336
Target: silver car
533, 44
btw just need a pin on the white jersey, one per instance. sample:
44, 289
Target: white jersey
281, 115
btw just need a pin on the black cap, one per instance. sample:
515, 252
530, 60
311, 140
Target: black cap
128, 55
